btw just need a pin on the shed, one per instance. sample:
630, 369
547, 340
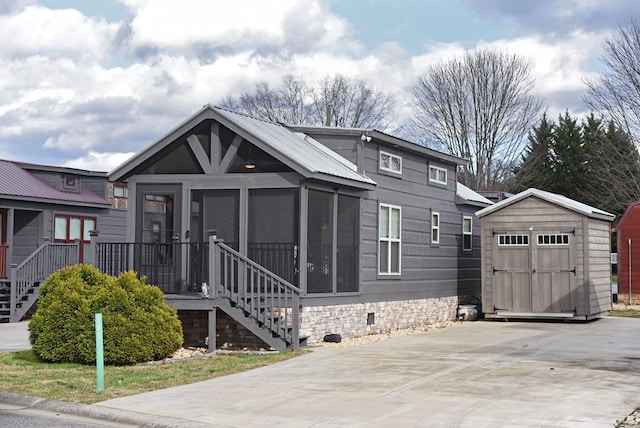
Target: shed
628, 234
545, 256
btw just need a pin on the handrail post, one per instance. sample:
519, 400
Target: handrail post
14, 292
92, 258
214, 261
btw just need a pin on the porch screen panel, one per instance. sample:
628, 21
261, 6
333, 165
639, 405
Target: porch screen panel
320, 242
348, 224
217, 210
273, 231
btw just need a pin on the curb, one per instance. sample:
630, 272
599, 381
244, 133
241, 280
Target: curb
97, 412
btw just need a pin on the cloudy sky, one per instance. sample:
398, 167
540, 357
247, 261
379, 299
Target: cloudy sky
86, 83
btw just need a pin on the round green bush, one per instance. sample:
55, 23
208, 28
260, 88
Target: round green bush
138, 325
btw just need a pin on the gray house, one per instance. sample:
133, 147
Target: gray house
305, 230
46, 213
545, 255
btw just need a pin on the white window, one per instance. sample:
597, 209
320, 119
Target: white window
467, 233
391, 163
389, 242
513, 240
437, 175
553, 239
435, 228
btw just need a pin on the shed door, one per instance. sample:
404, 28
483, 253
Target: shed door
534, 272
512, 272
554, 273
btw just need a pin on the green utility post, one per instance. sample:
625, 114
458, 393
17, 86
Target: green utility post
99, 355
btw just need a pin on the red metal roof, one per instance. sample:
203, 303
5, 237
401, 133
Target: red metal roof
19, 183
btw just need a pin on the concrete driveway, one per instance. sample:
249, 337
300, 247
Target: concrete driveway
477, 374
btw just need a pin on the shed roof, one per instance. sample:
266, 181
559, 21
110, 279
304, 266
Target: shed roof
302, 153
627, 215
18, 183
553, 198
471, 197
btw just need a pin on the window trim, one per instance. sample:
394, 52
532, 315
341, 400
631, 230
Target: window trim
562, 242
125, 190
435, 228
389, 239
524, 236
469, 233
70, 182
437, 180
68, 218
391, 157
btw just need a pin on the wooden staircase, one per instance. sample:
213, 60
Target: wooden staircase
22, 289
256, 298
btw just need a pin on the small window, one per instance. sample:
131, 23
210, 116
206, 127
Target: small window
437, 175
467, 233
513, 240
435, 228
70, 182
553, 239
119, 190
391, 163
389, 239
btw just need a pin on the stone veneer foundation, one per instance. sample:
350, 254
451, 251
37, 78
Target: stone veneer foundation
351, 320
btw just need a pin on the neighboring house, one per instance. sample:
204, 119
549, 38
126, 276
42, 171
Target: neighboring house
366, 232
628, 240
545, 255
46, 212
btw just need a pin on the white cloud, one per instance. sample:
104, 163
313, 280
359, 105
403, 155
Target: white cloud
291, 25
95, 161
37, 30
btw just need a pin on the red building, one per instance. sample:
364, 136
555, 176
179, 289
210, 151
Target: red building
628, 233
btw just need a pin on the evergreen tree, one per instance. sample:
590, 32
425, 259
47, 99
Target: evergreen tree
535, 169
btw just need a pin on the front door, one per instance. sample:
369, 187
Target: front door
158, 254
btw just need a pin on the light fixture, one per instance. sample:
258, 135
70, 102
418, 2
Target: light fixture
249, 164
364, 138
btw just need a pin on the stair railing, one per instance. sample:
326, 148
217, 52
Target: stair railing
45, 260
264, 296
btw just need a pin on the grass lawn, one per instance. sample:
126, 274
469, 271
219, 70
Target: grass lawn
22, 373
628, 313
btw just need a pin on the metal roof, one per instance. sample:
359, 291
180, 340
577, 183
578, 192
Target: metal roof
560, 200
297, 147
470, 196
17, 183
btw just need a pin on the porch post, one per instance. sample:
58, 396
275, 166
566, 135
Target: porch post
14, 291
295, 315
211, 328
92, 257
214, 261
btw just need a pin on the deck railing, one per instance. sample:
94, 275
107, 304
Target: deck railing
271, 300
45, 260
162, 263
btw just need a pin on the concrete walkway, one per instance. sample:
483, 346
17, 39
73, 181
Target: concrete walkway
14, 336
478, 374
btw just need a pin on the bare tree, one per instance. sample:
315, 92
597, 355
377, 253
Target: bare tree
333, 101
287, 104
343, 102
616, 94
479, 107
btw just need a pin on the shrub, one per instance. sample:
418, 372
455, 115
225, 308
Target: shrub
138, 325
